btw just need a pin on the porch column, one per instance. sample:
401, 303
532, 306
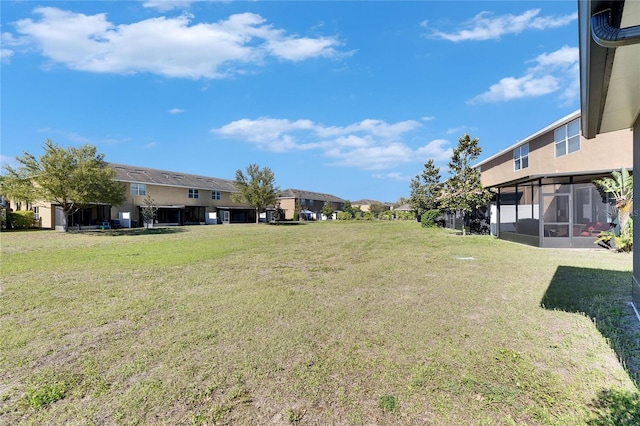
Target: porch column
634, 213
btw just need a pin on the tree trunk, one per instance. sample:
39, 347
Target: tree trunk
257, 215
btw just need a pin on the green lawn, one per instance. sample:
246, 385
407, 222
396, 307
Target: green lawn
327, 323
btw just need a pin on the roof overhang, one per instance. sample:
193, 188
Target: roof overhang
609, 83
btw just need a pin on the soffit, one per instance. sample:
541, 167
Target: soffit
622, 104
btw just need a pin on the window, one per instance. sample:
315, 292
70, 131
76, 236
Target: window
193, 193
36, 213
521, 157
138, 189
215, 195
567, 138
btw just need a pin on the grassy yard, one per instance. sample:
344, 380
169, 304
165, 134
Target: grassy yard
327, 323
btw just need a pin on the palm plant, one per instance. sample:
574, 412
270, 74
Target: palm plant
620, 187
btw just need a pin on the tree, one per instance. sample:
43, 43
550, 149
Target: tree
149, 210
426, 189
327, 210
348, 209
463, 191
71, 177
620, 186
376, 208
256, 189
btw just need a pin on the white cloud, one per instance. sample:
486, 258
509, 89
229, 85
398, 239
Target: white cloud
166, 5
550, 73
175, 111
171, 47
369, 144
486, 26
392, 176
428, 118
5, 55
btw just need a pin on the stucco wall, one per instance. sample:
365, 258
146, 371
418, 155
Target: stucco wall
607, 151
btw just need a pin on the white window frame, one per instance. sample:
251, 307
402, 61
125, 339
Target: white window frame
215, 195
36, 212
521, 157
193, 193
140, 189
567, 138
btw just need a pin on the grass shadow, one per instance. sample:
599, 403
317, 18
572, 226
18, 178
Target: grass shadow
604, 296
133, 232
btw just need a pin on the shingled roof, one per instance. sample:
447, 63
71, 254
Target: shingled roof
309, 195
135, 174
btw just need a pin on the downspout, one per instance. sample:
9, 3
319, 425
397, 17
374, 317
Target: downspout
607, 36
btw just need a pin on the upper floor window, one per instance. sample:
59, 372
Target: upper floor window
215, 195
521, 157
567, 138
193, 193
138, 189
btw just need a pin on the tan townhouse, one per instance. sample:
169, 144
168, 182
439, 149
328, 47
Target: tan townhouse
543, 184
309, 203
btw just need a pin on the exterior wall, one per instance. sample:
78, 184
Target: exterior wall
634, 214
289, 205
171, 196
609, 151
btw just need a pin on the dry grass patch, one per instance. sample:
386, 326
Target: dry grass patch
345, 323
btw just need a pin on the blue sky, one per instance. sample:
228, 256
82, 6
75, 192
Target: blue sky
346, 98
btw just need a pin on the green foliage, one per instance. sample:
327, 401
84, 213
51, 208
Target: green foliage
385, 215
616, 407
401, 215
464, 191
296, 211
22, 219
327, 210
367, 216
294, 416
389, 403
620, 187
377, 208
256, 188
426, 188
428, 219
344, 216
71, 177
149, 210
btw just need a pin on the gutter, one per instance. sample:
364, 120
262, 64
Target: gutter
607, 36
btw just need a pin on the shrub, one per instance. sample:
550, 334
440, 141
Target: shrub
405, 215
385, 215
23, 219
344, 216
429, 218
367, 216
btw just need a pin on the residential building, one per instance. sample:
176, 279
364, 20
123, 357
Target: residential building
181, 198
543, 184
309, 203
609, 41
365, 205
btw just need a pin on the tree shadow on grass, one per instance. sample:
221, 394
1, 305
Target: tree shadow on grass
133, 232
604, 296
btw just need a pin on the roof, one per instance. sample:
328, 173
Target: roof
609, 76
299, 194
135, 174
546, 129
404, 207
366, 202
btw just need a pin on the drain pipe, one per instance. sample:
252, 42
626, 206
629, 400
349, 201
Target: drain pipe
607, 36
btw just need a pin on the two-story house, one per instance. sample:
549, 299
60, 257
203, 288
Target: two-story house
309, 203
545, 195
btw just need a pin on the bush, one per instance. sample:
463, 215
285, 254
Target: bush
405, 215
23, 219
385, 215
344, 216
429, 218
367, 216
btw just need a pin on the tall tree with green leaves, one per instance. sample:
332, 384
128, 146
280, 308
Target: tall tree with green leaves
70, 177
327, 210
463, 191
256, 188
426, 189
149, 210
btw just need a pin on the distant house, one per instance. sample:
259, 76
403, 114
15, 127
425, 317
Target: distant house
365, 205
543, 184
181, 198
310, 203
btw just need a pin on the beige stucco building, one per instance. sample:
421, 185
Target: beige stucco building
310, 204
543, 184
